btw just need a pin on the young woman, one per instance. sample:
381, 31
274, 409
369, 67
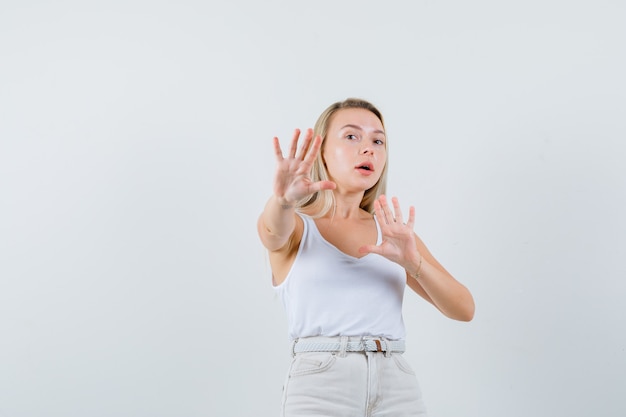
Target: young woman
341, 257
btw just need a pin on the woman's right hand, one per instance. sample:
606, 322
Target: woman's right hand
292, 181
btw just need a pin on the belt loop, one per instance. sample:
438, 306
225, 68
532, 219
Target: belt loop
293, 347
387, 347
343, 346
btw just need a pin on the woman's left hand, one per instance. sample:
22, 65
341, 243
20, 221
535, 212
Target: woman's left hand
398, 243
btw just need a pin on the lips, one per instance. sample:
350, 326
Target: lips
365, 167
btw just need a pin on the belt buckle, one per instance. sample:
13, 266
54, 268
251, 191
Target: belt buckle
379, 346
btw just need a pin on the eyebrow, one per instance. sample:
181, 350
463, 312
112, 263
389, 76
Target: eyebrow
359, 128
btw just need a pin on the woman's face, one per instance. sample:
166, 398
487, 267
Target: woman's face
355, 150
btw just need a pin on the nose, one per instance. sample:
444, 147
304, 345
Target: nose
367, 150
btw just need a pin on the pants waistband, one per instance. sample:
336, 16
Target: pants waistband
347, 344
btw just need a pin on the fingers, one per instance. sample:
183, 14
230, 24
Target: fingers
371, 249
397, 210
384, 212
307, 151
380, 213
294, 144
305, 147
313, 150
323, 185
293, 148
411, 222
277, 150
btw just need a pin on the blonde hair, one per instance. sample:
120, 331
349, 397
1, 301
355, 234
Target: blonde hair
321, 202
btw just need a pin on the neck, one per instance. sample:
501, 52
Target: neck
347, 206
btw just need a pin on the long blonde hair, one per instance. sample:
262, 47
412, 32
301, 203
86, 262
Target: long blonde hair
321, 202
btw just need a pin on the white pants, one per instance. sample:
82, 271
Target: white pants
351, 384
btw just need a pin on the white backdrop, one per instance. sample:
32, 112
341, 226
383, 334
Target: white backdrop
135, 156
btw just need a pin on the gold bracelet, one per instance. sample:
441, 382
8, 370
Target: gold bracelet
419, 269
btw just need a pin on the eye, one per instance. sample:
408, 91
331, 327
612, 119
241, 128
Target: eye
351, 136
379, 142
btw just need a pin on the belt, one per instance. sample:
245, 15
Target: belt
363, 345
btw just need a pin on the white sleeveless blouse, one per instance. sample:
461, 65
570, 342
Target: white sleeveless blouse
330, 293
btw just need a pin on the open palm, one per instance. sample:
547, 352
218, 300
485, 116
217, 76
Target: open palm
398, 243
292, 181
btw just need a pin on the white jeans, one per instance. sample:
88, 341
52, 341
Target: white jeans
351, 384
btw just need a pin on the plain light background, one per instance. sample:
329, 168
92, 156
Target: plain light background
135, 157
